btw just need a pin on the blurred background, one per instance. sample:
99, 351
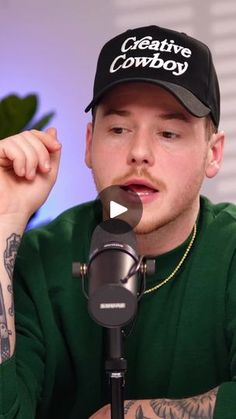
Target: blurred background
50, 47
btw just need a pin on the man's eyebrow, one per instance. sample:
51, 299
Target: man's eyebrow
175, 115
181, 116
119, 112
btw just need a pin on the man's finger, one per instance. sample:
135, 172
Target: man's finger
50, 141
52, 131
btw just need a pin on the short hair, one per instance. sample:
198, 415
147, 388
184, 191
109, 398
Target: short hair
211, 128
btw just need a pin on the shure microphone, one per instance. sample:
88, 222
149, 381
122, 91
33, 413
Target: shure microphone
112, 277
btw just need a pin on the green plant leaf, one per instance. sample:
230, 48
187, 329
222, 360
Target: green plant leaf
17, 114
39, 125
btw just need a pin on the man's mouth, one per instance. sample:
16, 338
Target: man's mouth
141, 189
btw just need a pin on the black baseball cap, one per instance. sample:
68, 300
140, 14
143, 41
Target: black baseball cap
177, 62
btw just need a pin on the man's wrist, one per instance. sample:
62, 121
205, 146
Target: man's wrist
13, 223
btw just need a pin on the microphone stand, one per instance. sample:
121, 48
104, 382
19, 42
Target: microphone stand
115, 363
115, 367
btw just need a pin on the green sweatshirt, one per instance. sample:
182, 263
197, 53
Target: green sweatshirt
183, 342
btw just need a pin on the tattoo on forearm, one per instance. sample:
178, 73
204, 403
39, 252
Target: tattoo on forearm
198, 407
128, 405
9, 256
4, 332
139, 413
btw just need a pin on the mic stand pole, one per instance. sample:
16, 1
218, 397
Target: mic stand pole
116, 366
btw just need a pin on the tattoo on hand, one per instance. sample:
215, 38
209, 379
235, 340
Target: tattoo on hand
9, 256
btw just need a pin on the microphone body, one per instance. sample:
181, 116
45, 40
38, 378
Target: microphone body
112, 291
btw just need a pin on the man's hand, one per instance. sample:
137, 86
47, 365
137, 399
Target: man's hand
28, 169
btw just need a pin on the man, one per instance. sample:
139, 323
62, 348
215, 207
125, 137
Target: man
154, 133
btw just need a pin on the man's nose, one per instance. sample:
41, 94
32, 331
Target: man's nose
141, 150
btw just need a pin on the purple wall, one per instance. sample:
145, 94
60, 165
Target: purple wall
50, 47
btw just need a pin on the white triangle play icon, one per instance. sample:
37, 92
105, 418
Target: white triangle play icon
116, 209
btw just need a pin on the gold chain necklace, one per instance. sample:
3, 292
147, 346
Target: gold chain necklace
179, 264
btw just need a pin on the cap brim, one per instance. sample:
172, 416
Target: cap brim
186, 98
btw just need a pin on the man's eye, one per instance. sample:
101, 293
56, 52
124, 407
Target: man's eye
169, 135
118, 130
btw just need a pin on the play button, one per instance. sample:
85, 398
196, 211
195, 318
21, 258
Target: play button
120, 204
116, 209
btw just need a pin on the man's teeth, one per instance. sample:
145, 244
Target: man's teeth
138, 193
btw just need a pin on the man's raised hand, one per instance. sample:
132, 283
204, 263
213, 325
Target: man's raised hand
29, 164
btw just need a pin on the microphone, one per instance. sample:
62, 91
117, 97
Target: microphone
112, 273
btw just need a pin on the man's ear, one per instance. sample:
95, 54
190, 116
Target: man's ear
215, 154
89, 135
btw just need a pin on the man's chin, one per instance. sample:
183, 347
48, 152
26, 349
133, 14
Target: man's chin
145, 227
148, 224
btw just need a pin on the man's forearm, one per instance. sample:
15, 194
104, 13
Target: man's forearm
10, 237
197, 407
